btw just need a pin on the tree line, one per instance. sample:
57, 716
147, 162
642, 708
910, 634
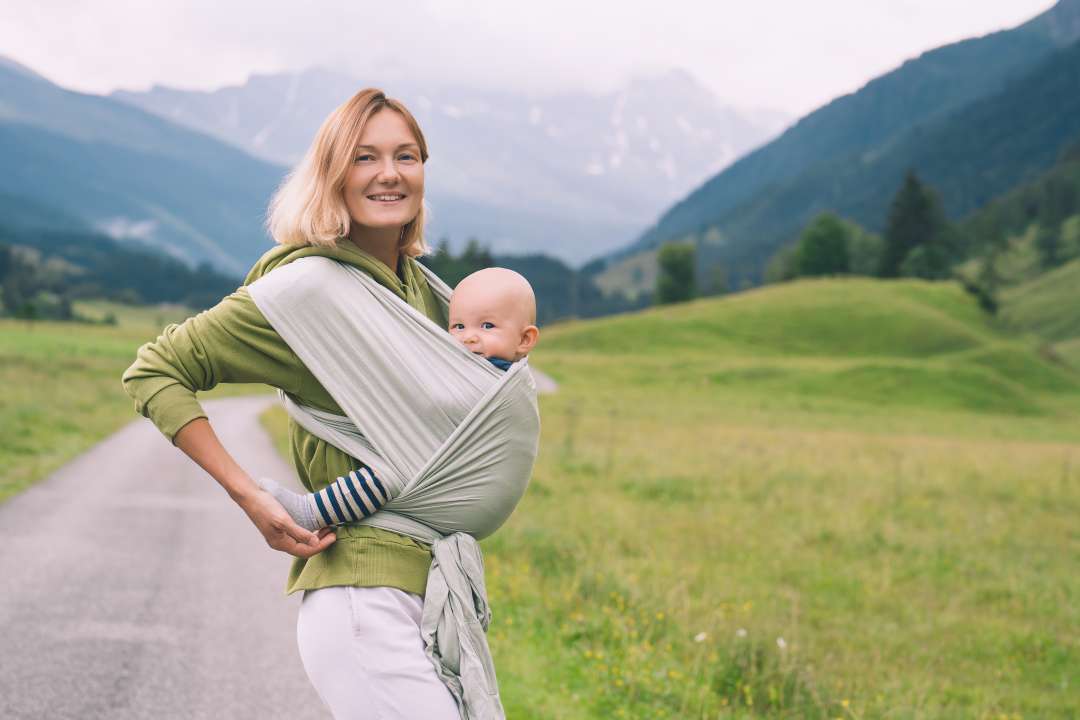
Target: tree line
43, 271
1012, 239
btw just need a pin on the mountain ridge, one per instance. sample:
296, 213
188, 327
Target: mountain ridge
920, 91
596, 167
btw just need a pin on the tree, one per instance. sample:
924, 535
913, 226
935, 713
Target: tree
916, 219
864, 251
677, 280
823, 247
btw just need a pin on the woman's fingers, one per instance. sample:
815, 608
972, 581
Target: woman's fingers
303, 550
297, 533
281, 532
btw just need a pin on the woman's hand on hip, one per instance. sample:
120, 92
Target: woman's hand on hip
198, 440
281, 531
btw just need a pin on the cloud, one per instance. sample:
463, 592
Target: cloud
775, 53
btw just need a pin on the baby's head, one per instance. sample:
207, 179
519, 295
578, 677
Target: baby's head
493, 313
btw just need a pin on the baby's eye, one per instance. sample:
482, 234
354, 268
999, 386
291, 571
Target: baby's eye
487, 326
457, 326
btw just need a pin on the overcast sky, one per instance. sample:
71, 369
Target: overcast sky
791, 55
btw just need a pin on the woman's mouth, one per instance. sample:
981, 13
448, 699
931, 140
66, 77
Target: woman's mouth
386, 197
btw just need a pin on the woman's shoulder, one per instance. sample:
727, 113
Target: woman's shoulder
282, 255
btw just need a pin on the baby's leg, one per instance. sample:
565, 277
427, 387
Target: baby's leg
350, 498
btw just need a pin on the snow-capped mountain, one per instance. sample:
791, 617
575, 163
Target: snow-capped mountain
573, 174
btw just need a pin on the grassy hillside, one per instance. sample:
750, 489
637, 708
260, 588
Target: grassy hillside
1048, 305
826, 499
62, 388
851, 346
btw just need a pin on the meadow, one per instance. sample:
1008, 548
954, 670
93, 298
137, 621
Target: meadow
831, 499
826, 499
62, 389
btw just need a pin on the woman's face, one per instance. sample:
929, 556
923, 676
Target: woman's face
385, 185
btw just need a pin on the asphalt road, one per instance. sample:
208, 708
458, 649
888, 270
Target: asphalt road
132, 587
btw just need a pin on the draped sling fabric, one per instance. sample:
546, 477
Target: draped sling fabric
451, 437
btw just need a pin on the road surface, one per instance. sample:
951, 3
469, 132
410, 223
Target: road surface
132, 587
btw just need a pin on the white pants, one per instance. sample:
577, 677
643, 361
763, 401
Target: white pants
362, 651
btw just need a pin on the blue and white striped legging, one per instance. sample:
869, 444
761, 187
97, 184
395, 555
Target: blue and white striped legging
351, 497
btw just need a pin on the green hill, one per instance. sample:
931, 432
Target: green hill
1046, 306
843, 344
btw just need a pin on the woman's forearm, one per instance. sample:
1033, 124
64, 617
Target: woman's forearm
198, 441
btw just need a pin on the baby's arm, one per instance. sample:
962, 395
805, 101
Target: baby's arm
350, 498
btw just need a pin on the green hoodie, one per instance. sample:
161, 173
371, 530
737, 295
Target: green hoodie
233, 343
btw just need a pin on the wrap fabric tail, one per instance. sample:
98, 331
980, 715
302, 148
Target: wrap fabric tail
452, 438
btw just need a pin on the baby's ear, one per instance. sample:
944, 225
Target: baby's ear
529, 336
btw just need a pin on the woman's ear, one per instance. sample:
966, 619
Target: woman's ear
529, 336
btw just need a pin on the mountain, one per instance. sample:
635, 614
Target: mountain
851, 154
572, 174
106, 165
76, 264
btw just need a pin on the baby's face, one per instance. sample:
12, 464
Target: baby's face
487, 322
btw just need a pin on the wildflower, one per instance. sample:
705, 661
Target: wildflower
845, 702
700, 637
780, 643
659, 616
741, 633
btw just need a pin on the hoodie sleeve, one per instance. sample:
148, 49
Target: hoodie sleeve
230, 343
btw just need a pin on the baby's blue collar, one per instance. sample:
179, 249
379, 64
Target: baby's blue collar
500, 363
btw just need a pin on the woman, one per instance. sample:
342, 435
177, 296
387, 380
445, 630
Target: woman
357, 197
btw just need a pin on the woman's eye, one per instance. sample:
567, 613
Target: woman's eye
408, 157
364, 158
488, 326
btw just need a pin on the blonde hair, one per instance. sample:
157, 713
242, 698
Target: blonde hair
309, 208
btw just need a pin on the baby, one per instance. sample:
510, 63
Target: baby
492, 313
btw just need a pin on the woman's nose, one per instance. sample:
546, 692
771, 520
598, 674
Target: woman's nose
388, 172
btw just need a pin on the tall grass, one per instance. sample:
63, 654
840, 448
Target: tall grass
739, 512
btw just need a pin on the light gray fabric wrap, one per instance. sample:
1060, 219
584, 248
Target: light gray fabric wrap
452, 437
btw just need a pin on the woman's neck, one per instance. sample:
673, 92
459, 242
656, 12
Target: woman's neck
382, 243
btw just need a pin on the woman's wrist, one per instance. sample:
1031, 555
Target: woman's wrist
241, 488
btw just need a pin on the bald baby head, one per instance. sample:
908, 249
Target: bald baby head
493, 312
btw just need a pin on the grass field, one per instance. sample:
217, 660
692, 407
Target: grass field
828, 499
843, 499
62, 388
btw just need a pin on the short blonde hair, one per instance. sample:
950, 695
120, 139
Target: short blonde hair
309, 207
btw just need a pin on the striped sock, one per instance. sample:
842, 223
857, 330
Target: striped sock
350, 498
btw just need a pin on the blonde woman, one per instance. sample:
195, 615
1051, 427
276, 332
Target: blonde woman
356, 197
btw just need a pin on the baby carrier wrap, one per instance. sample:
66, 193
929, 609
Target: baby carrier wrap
451, 437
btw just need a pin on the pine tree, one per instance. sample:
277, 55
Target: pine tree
916, 220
